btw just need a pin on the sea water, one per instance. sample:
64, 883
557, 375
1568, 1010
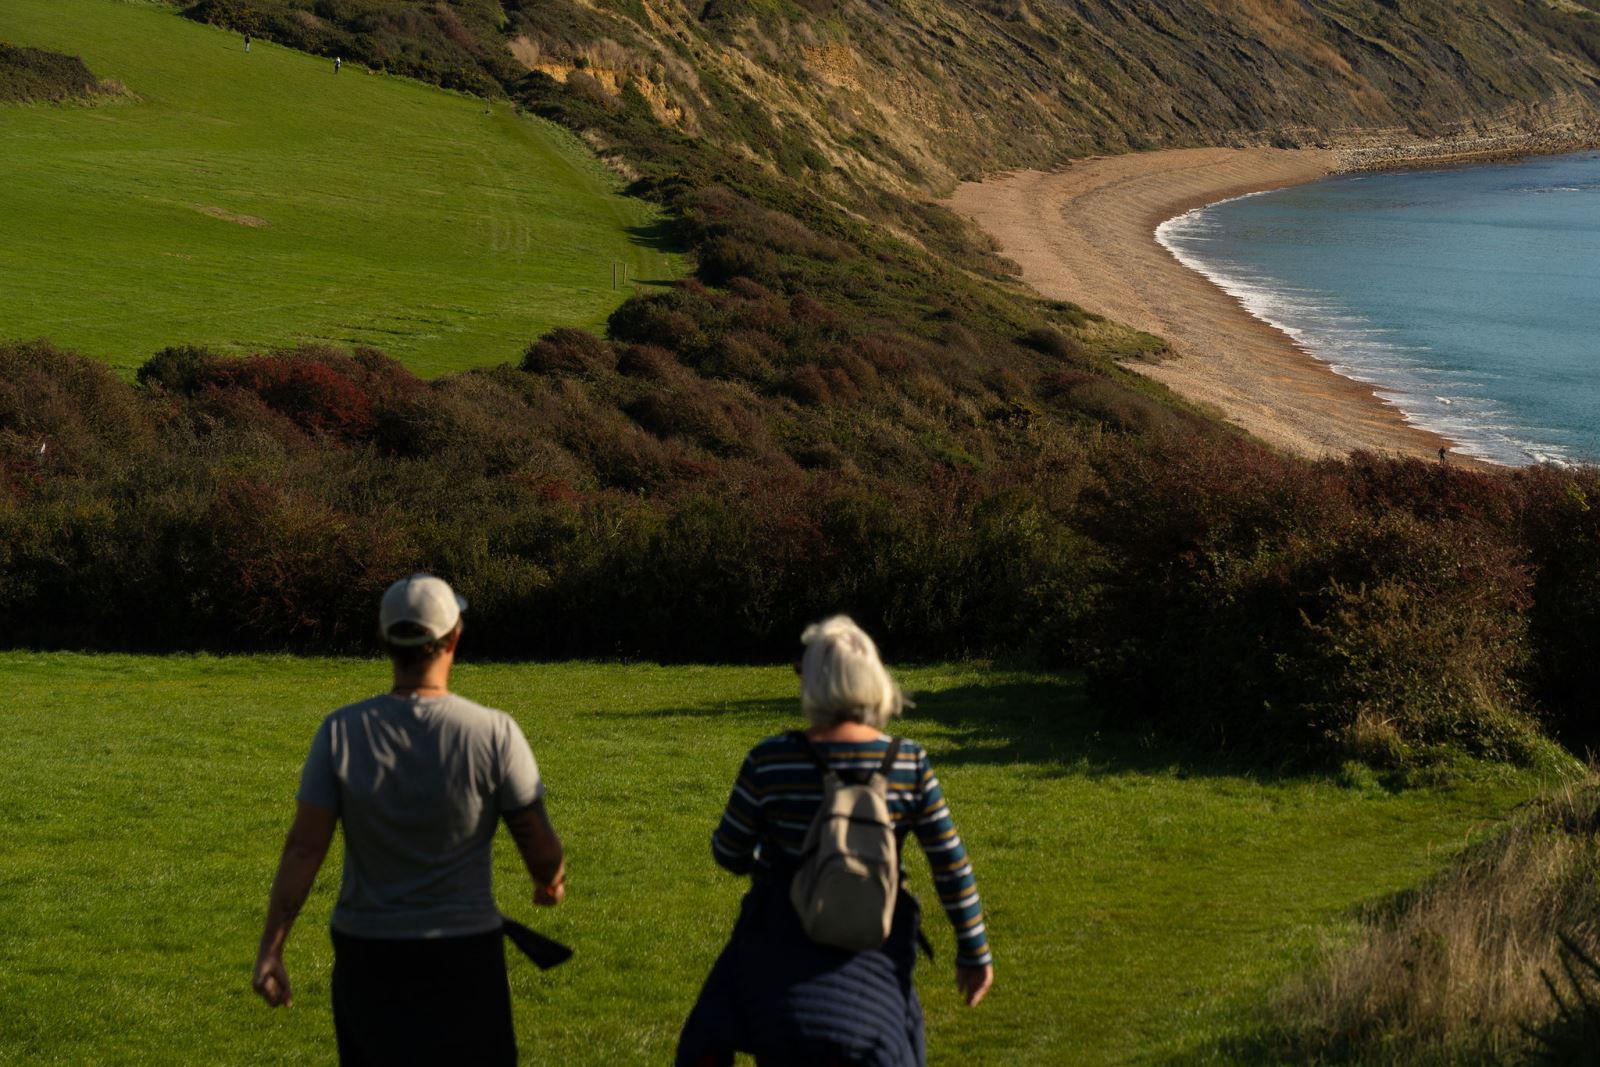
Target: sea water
1469, 297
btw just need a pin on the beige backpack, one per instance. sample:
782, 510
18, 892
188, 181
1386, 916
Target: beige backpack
844, 889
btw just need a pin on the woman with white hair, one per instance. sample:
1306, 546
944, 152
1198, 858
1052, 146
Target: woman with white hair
775, 992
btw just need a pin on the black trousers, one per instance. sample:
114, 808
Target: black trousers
422, 1003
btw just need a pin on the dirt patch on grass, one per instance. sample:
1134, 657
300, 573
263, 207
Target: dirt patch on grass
225, 215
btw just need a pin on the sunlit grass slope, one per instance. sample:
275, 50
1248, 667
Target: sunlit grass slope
1141, 905
243, 201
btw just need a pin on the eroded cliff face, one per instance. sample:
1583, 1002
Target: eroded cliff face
938, 88
917, 93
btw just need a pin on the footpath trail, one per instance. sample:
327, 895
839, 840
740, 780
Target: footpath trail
1143, 903
249, 200
1086, 233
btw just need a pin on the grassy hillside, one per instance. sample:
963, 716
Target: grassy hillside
244, 201
1142, 902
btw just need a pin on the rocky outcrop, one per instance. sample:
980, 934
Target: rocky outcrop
1567, 124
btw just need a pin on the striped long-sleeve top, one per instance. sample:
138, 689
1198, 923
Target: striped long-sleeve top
779, 790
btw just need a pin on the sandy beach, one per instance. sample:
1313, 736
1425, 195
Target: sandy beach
1086, 233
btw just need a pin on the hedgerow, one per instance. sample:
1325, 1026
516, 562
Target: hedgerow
1371, 607
1388, 610
263, 503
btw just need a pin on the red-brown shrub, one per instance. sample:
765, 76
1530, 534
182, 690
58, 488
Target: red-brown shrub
692, 412
806, 384
294, 570
1059, 384
723, 258
814, 316
659, 320
650, 362
744, 355
303, 387
749, 289
888, 354
76, 408
1259, 603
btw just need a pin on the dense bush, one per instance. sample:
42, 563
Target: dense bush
1387, 610
263, 503
1270, 605
1560, 520
31, 75
448, 44
571, 352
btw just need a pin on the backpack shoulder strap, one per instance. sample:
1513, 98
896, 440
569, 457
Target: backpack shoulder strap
799, 737
886, 768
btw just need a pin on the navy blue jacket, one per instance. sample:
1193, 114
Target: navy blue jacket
776, 994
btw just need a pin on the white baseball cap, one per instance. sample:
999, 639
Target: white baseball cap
423, 600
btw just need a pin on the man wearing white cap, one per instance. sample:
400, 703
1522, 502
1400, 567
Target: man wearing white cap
420, 778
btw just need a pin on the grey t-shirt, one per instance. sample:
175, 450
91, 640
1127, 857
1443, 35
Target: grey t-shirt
420, 784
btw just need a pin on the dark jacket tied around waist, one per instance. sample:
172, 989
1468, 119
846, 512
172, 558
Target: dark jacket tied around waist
776, 994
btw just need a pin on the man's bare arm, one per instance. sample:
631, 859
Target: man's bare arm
541, 851
303, 852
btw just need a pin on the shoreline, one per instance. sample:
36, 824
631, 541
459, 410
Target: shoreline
1086, 233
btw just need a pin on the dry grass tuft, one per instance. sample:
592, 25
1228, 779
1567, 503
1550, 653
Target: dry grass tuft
1455, 971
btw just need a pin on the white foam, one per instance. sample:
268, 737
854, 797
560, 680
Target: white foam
1434, 398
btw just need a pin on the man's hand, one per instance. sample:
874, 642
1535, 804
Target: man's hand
541, 852
272, 981
974, 982
548, 896
303, 852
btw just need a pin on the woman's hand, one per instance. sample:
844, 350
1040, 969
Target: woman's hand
974, 982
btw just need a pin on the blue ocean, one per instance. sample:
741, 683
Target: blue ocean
1470, 296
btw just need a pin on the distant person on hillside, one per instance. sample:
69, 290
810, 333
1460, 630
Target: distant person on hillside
247, 42
420, 778
785, 989
336, 62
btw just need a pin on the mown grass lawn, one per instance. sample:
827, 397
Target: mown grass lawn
245, 201
1142, 906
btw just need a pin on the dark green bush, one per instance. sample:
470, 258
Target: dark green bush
571, 352
179, 369
31, 75
1262, 604
1053, 343
1560, 523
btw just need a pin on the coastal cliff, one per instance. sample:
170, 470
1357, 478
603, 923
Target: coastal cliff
918, 93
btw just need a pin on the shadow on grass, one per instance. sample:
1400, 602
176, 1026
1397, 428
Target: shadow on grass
1048, 722
1263, 1045
661, 235
1054, 723
1230, 1052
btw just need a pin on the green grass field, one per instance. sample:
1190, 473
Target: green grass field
245, 201
1142, 906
